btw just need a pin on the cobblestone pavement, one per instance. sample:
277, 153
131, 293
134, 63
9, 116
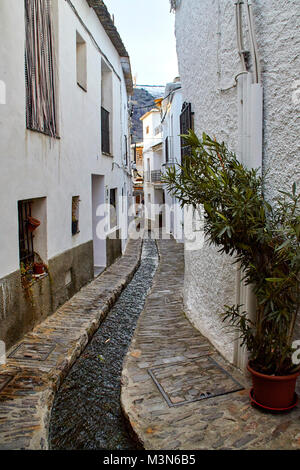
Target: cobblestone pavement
167, 349
42, 359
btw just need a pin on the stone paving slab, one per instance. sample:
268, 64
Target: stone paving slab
163, 337
37, 365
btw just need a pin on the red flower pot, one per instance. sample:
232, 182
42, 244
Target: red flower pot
276, 392
38, 268
32, 223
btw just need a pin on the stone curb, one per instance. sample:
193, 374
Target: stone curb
26, 401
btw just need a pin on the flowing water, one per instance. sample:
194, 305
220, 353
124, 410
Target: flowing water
86, 412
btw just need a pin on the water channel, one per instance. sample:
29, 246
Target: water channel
86, 412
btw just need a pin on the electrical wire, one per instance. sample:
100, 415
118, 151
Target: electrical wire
255, 46
239, 35
151, 86
235, 78
154, 105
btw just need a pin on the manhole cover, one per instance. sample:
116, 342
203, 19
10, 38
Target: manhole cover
4, 380
186, 382
32, 351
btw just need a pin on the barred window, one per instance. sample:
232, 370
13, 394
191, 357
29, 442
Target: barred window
25, 234
167, 149
105, 134
186, 124
40, 68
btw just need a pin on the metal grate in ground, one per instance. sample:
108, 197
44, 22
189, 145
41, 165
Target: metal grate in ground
198, 379
4, 380
36, 351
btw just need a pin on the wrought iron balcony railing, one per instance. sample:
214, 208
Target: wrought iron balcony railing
169, 164
156, 176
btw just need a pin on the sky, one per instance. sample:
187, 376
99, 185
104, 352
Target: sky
147, 30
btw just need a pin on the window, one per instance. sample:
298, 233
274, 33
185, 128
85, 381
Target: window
167, 149
105, 135
41, 106
75, 214
26, 233
186, 123
147, 130
126, 149
158, 130
32, 234
106, 109
113, 208
81, 62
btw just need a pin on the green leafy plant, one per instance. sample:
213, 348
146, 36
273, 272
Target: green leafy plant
263, 238
26, 271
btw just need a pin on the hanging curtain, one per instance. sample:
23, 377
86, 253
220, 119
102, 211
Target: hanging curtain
40, 67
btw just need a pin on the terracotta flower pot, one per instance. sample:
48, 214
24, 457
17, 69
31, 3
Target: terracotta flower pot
32, 223
38, 268
276, 392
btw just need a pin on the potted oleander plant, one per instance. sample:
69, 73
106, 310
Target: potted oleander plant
264, 238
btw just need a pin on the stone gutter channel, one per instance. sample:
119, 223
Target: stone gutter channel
37, 365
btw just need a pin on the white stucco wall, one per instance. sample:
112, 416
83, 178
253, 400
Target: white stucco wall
153, 155
33, 165
208, 61
171, 129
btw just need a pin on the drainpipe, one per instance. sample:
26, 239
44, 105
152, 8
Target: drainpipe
250, 128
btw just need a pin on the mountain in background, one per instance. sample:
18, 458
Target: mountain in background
141, 102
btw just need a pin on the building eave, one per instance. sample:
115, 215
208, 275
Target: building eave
113, 34
154, 110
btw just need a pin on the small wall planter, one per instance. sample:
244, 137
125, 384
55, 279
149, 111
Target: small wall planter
38, 268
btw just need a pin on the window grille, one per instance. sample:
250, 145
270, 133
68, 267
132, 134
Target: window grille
186, 124
167, 149
40, 68
126, 149
105, 131
25, 235
113, 208
155, 176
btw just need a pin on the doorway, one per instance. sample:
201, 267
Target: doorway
99, 223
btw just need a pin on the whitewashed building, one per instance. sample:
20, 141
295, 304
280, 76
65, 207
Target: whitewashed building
239, 66
64, 151
152, 162
171, 114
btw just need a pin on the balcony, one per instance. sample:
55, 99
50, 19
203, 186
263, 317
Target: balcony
153, 176
156, 176
169, 164
158, 130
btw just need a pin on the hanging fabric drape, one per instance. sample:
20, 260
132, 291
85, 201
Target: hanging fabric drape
40, 67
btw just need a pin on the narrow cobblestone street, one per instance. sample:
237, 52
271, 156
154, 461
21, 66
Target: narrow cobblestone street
177, 391
171, 369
